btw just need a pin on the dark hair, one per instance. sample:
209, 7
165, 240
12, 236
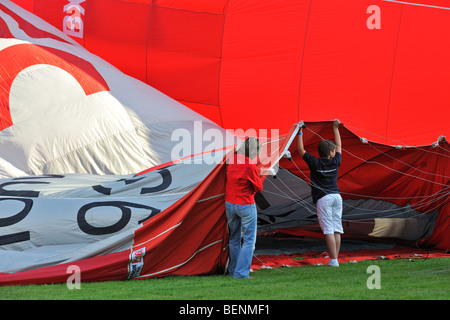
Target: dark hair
325, 147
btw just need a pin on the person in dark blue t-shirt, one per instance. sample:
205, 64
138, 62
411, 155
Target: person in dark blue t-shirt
324, 189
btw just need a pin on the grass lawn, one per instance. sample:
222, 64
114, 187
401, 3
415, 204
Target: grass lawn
419, 279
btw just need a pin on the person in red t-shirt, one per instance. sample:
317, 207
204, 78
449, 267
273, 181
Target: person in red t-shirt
243, 181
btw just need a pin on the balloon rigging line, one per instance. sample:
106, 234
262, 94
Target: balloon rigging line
425, 197
311, 208
373, 196
297, 198
402, 143
308, 181
418, 4
307, 206
419, 205
444, 150
423, 203
378, 163
374, 134
428, 173
387, 167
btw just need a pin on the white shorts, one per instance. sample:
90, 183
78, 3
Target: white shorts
329, 212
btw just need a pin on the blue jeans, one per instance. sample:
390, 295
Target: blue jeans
242, 221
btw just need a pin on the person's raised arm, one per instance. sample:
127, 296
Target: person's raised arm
300, 146
337, 136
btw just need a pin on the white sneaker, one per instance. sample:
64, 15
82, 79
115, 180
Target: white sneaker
333, 263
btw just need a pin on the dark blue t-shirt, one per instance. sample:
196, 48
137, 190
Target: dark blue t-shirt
324, 173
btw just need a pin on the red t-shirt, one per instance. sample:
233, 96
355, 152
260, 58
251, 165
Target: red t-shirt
243, 180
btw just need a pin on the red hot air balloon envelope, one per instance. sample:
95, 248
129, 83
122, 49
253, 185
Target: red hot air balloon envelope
380, 66
79, 134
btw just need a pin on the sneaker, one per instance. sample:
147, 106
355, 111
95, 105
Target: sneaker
333, 263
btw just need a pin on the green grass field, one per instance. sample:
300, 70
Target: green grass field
419, 279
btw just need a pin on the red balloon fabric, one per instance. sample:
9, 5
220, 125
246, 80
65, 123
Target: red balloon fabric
380, 66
